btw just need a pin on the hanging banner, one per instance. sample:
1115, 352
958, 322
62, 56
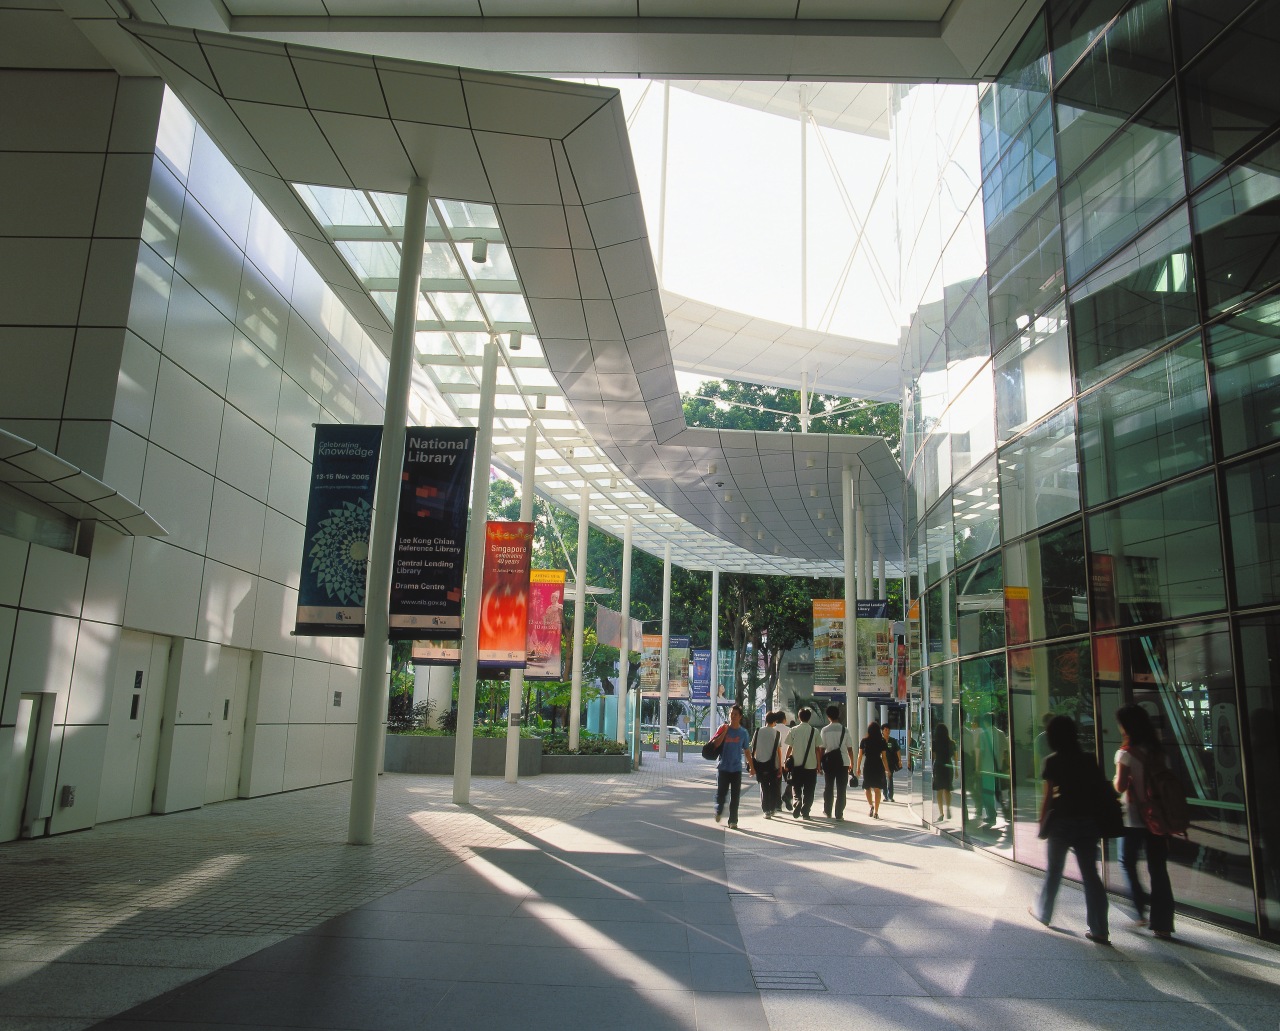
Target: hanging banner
701, 683
609, 629
543, 660
650, 660
335, 555
436, 653
875, 648
431, 533
725, 675
828, 646
678, 657
504, 598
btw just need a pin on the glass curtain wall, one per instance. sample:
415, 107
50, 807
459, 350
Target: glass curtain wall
1092, 422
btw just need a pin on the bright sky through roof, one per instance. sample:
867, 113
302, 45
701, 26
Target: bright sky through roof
733, 212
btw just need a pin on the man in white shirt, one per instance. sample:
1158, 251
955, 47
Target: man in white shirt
835, 747
802, 750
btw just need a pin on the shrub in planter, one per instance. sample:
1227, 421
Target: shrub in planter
557, 743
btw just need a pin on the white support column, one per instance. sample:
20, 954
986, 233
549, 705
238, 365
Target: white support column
464, 742
664, 671
662, 181
883, 591
372, 707
624, 649
515, 696
848, 520
714, 715
804, 210
579, 618
860, 590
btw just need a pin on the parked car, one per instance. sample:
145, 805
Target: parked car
675, 735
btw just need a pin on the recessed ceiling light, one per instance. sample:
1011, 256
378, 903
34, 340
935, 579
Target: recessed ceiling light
813, 492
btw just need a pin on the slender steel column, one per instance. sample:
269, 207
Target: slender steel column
579, 619
464, 743
372, 708
664, 663
850, 595
714, 715
624, 646
515, 696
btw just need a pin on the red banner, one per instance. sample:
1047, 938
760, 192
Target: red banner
546, 621
504, 597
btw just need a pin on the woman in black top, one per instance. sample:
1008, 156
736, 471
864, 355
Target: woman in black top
873, 766
1068, 819
944, 750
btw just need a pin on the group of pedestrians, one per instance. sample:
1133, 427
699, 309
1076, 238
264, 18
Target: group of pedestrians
1071, 811
785, 759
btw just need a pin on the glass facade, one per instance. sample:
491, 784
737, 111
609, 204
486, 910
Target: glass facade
1106, 530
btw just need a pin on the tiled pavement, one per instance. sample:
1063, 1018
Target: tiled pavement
613, 902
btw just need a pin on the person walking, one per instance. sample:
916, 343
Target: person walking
872, 767
784, 726
734, 747
944, 751
836, 743
1139, 752
1069, 820
766, 757
803, 753
893, 761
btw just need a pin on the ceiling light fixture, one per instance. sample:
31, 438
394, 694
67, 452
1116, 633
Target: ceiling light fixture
810, 462
513, 341
744, 518
759, 535
712, 469
542, 402
813, 492
479, 251
822, 513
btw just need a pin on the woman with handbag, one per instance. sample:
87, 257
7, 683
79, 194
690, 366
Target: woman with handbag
873, 767
1069, 820
1140, 750
766, 755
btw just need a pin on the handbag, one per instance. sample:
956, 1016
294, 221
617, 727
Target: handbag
789, 764
1108, 813
853, 779
713, 748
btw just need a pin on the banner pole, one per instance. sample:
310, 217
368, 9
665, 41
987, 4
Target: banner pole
624, 651
714, 715
372, 708
464, 743
515, 696
850, 600
664, 662
579, 617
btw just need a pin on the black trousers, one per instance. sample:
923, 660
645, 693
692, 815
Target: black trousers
731, 784
770, 788
835, 777
803, 783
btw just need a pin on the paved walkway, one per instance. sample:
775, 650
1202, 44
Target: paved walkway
615, 903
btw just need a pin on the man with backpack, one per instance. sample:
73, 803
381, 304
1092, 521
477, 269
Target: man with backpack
802, 760
836, 747
893, 759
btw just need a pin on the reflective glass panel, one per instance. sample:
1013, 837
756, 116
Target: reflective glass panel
1157, 557
1136, 303
1147, 426
940, 623
1259, 660
1237, 221
1197, 22
976, 505
1116, 78
1182, 676
940, 556
968, 334
980, 606
1040, 476
1044, 682
972, 422
1027, 275
1045, 585
1129, 183
1022, 180
1244, 359
1253, 504
1230, 102
1073, 25
943, 780
1033, 374
988, 814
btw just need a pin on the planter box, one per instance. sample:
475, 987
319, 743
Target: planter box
411, 753
586, 764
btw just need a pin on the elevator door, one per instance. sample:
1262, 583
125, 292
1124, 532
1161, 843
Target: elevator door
133, 734
227, 741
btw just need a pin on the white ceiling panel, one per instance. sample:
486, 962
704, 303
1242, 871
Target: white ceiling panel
419, 96
602, 321
545, 271
497, 104
591, 280
520, 168
448, 158
254, 72
558, 319
351, 86
534, 226
619, 220
368, 149
308, 158
601, 156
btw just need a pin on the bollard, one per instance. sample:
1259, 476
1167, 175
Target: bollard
680, 750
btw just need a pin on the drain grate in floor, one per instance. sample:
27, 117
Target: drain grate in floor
752, 896
788, 981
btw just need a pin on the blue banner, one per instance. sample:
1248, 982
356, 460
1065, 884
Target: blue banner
701, 676
335, 551
431, 533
